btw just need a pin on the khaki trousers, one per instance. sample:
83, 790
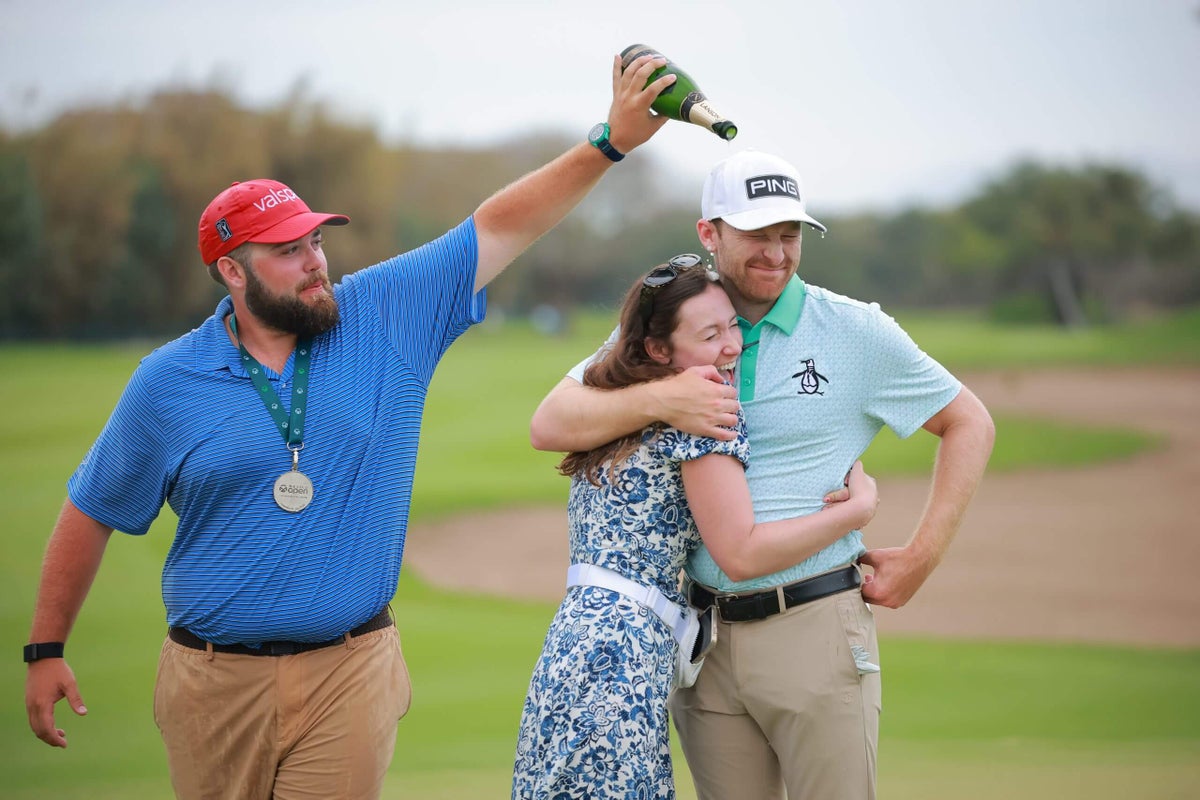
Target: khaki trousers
319, 724
780, 703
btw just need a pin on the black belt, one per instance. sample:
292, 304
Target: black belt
188, 639
760, 605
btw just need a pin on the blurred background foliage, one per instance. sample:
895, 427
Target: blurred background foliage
98, 210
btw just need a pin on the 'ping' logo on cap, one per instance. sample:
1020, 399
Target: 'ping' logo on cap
223, 230
771, 186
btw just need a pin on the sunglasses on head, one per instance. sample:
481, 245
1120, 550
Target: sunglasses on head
661, 276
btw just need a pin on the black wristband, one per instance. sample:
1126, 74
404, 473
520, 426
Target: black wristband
40, 650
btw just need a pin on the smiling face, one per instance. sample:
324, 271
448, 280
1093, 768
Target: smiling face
706, 333
287, 286
755, 265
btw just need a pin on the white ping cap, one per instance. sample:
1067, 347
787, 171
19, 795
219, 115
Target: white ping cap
751, 190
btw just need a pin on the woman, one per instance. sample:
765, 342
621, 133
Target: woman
595, 719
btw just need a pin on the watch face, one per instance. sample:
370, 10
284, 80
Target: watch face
596, 133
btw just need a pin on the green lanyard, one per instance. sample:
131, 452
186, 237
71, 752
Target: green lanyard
290, 427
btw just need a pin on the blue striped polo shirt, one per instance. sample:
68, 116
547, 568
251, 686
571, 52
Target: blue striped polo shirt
191, 431
821, 374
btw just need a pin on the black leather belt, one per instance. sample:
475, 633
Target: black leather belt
188, 639
760, 605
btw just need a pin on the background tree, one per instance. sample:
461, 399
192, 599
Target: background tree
1080, 241
98, 210
20, 242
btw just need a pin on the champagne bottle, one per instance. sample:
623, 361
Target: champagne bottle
683, 99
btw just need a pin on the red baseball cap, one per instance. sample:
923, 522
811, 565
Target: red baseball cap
261, 210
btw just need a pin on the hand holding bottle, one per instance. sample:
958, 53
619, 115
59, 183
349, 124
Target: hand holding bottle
682, 100
634, 92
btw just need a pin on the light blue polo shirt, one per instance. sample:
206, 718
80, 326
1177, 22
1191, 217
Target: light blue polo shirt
190, 431
819, 376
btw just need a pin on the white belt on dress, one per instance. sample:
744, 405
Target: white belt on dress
647, 596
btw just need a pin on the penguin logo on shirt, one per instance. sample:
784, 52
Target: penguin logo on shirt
810, 379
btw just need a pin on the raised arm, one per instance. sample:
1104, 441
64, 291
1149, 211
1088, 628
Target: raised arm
573, 417
72, 559
719, 498
967, 434
516, 216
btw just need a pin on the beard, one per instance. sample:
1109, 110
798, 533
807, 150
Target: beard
291, 314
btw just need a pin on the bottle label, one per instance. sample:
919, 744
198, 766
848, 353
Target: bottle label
685, 107
698, 110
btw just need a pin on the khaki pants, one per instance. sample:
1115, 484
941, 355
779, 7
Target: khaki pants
780, 703
320, 724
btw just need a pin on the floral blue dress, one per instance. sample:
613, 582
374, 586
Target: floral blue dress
595, 720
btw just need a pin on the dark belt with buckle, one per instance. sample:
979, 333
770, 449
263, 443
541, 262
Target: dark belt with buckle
760, 605
188, 639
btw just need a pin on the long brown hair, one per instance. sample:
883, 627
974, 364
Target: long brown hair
648, 312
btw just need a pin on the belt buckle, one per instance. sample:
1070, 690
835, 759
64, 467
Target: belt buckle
721, 601
282, 648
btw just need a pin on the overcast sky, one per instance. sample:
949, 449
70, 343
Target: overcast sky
878, 102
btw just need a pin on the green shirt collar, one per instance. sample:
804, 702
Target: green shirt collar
786, 312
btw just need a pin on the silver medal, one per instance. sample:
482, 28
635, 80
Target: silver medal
293, 491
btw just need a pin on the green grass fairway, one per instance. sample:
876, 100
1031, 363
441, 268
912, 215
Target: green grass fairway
1023, 719
963, 341
491, 381
961, 719
977, 719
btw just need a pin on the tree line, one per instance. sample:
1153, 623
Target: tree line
98, 214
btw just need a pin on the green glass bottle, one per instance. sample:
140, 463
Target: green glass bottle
683, 99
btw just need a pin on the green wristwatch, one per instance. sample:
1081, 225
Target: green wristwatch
598, 138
